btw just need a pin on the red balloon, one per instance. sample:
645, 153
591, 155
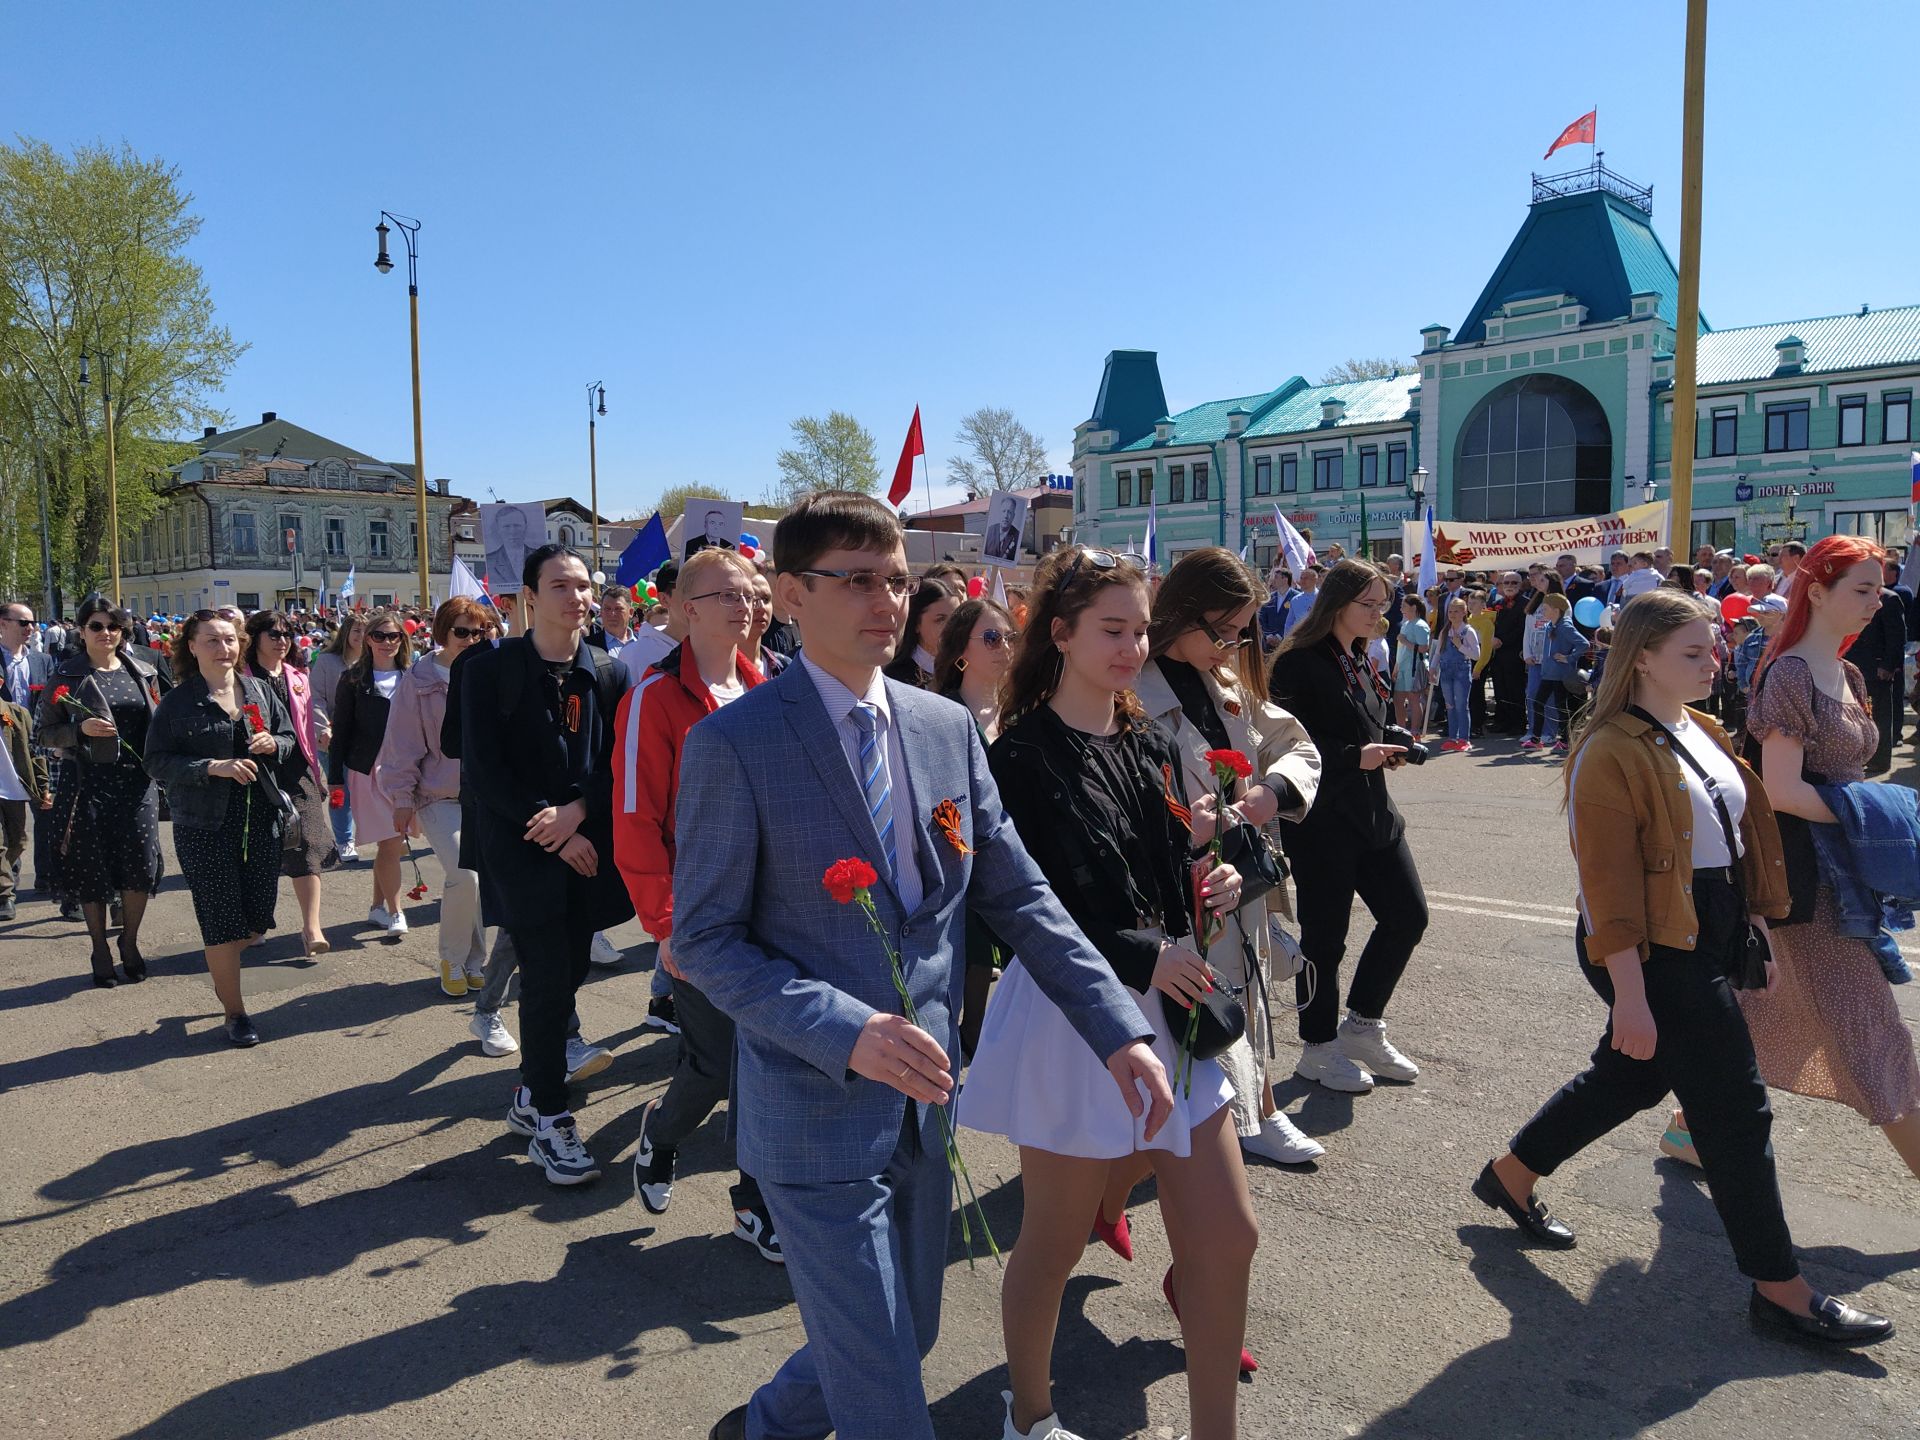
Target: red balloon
1735, 607
749, 551
976, 587
412, 625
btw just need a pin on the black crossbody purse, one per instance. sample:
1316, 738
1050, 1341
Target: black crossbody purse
1744, 964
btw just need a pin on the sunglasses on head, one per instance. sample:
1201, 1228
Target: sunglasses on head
385, 637
463, 632
1098, 560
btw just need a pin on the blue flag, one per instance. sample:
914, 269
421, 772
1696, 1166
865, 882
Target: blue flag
645, 553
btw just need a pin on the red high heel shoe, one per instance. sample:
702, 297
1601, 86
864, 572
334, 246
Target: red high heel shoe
1115, 1236
1247, 1363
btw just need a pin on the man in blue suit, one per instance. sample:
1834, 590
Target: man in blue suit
834, 1090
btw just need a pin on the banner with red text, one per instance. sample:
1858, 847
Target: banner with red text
1485, 545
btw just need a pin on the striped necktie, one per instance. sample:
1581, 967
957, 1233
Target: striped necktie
875, 781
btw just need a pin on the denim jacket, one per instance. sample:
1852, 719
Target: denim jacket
1746, 658
1562, 645
190, 732
1872, 861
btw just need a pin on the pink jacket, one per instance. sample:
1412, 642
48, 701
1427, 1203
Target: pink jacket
411, 771
300, 691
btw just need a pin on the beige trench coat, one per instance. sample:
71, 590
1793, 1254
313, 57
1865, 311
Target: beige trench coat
1279, 748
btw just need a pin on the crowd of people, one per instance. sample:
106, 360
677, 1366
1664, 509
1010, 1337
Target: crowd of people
888, 831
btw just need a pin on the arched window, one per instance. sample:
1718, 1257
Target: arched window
566, 535
1537, 447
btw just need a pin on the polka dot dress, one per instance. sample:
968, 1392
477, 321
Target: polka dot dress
233, 897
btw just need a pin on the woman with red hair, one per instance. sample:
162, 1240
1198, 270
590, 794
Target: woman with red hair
1829, 1028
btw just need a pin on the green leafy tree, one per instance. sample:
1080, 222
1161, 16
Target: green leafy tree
93, 261
673, 502
1002, 454
831, 454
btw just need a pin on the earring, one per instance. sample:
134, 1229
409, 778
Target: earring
961, 663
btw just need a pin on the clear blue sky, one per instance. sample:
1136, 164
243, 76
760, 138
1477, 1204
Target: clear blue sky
735, 214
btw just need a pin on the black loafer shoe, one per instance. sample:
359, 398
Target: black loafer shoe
732, 1426
1532, 1218
240, 1032
1833, 1322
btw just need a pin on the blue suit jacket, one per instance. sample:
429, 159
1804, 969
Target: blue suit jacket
767, 802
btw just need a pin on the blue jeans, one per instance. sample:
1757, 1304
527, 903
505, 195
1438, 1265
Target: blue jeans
1456, 678
343, 817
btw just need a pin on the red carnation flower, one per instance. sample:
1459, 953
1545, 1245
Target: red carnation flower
846, 878
1231, 761
256, 723
60, 692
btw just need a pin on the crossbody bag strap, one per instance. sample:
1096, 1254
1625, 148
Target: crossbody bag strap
1713, 790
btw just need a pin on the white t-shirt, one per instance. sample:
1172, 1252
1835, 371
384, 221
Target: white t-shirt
1709, 841
726, 694
648, 646
386, 682
1639, 582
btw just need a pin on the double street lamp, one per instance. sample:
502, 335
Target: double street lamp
410, 232
113, 485
596, 406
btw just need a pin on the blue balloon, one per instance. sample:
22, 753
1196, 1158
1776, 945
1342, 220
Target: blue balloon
1590, 611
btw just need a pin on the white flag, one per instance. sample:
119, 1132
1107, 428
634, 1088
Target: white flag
1429, 565
1000, 588
1294, 548
346, 585
465, 582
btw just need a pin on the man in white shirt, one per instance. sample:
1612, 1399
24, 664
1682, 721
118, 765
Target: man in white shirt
1791, 554
650, 644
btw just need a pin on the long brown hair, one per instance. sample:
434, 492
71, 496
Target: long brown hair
1644, 624
184, 663
1203, 587
1065, 584
954, 639
1343, 585
385, 615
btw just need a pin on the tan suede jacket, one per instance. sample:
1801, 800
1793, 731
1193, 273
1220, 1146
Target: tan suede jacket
1631, 821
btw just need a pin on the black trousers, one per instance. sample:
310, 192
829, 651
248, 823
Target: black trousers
701, 1077
1477, 702
1332, 867
1509, 674
553, 962
1551, 693
1704, 1055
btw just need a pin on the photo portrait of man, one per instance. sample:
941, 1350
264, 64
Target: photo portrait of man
1005, 514
510, 533
710, 524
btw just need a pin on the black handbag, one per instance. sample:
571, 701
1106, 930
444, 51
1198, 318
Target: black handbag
1745, 962
1251, 851
1222, 1021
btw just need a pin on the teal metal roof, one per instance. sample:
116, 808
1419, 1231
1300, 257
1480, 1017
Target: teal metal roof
1837, 342
1590, 245
1130, 394
1369, 402
1290, 407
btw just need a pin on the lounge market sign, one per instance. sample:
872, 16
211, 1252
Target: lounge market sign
1481, 545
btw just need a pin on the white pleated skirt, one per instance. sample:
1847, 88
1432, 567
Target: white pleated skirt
1035, 1081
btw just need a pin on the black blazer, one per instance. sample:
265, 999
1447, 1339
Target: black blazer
359, 726
1883, 644
1038, 774
514, 761
1308, 684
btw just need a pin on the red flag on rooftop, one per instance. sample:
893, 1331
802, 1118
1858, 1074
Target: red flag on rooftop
903, 472
1580, 132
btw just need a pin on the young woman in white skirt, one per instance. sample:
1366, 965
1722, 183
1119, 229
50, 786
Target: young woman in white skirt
1095, 790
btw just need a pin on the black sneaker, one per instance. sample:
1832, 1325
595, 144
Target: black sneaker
754, 1225
6, 908
653, 1169
240, 1032
661, 1014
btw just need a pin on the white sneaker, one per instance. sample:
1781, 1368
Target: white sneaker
348, 855
604, 951
492, 1033
556, 1148
1365, 1043
585, 1061
1280, 1140
1047, 1429
1325, 1065
378, 917
397, 923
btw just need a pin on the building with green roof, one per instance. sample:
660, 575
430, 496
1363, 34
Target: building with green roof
1551, 400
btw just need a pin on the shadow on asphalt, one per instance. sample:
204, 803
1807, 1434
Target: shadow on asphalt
1670, 1334
1324, 1112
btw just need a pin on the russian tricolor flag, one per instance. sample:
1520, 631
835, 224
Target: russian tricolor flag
1915, 455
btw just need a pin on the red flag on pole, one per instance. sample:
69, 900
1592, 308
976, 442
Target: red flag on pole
1580, 132
903, 472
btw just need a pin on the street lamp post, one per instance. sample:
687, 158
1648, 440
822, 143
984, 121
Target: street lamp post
1419, 486
596, 405
113, 485
1793, 505
410, 230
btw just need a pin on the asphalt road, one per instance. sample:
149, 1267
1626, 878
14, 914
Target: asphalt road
335, 1235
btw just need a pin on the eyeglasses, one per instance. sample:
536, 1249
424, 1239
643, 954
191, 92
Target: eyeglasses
103, 627
994, 639
281, 635
763, 602
871, 582
1099, 560
1239, 637
383, 637
732, 599
463, 632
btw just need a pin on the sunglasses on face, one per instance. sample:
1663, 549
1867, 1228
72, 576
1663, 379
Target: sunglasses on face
384, 637
994, 639
871, 582
462, 632
281, 635
1214, 637
102, 627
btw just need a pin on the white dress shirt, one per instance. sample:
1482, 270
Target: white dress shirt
841, 702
